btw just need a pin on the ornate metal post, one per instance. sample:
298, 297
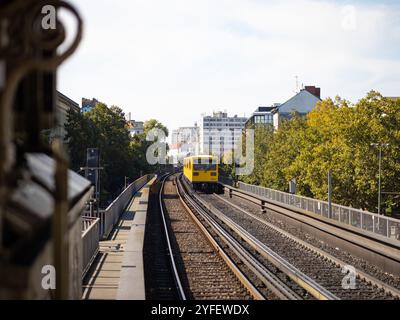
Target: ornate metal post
28, 63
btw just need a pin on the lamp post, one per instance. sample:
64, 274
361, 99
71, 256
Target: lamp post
380, 146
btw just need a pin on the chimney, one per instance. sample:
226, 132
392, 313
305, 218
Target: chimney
314, 90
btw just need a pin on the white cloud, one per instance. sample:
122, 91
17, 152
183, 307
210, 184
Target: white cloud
175, 59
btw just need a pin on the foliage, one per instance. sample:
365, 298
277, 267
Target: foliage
153, 123
120, 155
226, 166
263, 135
335, 136
139, 144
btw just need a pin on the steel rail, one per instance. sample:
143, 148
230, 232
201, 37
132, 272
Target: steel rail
291, 271
177, 279
382, 254
280, 207
231, 264
272, 282
295, 274
364, 276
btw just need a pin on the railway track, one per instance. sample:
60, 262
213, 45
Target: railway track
201, 268
281, 279
159, 280
288, 281
373, 254
370, 271
270, 262
365, 269
270, 282
273, 243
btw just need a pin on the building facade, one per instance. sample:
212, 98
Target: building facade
301, 103
185, 142
135, 127
63, 106
88, 104
262, 116
220, 134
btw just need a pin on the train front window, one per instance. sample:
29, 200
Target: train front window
204, 164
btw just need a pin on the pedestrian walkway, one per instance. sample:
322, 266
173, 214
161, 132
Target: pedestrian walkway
117, 272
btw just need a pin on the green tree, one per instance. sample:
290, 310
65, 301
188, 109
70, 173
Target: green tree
263, 137
335, 136
121, 156
153, 123
114, 143
284, 147
81, 134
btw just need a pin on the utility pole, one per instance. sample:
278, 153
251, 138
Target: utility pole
379, 179
380, 146
292, 186
92, 171
330, 194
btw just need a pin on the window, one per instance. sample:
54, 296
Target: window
205, 166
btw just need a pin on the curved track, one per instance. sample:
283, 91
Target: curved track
266, 278
317, 265
200, 271
221, 250
369, 270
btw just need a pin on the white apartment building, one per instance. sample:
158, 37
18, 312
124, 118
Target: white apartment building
185, 142
220, 134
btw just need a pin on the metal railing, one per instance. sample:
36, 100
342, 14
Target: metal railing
110, 216
90, 241
368, 221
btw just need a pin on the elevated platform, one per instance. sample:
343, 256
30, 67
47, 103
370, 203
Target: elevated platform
117, 273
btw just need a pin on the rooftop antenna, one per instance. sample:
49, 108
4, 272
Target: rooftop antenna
297, 84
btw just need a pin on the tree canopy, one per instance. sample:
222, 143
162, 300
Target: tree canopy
153, 123
120, 154
340, 137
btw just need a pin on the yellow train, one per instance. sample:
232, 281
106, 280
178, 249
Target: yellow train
202, 173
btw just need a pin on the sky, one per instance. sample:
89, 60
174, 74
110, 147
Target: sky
175, 60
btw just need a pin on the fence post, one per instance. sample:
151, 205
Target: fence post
373, 224
362, 219
263, 208
387, 229
330, 194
